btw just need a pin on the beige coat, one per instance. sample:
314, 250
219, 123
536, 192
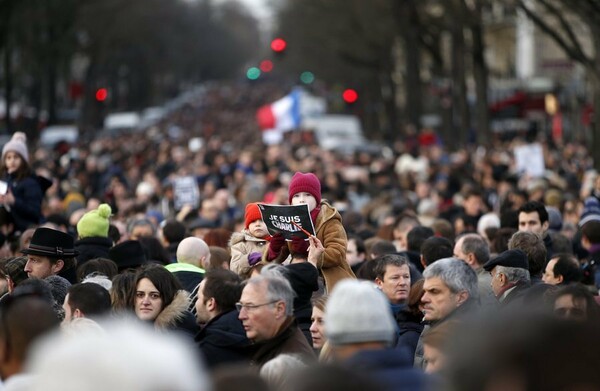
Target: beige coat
241, 244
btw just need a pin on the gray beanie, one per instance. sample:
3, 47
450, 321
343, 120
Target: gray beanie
17, 144
357, 311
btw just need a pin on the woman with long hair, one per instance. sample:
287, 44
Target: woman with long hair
159, 299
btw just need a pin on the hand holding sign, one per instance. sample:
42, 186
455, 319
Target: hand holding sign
315, 250
299, 246
275, 245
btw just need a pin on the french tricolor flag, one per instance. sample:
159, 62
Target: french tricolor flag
280, 116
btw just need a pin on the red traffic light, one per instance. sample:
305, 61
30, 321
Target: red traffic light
278, 45
101, 94
266, 65
350, 96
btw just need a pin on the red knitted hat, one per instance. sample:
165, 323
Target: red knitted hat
308, 183
252, 214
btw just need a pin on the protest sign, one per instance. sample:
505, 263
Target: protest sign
186, 192
529, 159
286, 219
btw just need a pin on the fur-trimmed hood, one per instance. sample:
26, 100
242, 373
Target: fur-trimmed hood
174, 312
244, 236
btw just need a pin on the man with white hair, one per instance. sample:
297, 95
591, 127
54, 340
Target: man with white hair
510, 276
266, 311
193, 255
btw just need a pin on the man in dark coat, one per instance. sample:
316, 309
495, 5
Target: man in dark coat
92, 233
223, 339
266, 311
192, 256
510, 276
450, 292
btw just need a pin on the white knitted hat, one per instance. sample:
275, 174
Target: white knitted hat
357, 311
17, 144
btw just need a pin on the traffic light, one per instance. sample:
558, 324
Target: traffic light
101, 94
350, 95
278, 45
253, 73
266, 65
307, 77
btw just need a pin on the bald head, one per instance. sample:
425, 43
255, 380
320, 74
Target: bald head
194, 251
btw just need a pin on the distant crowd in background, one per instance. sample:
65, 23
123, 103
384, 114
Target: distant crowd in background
427, 268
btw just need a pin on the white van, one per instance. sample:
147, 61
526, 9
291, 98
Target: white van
337, 132
52, 135
122, 122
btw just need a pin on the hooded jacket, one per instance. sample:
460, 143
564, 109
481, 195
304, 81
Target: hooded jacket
330, 231
176, 316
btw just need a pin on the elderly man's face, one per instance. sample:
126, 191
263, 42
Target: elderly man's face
497, 282
438, 301
260, 317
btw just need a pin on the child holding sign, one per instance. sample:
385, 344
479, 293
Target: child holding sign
252, 239
332, 265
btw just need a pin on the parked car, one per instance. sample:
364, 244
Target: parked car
52, 135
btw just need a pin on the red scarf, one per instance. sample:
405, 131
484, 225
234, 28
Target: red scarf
313, 215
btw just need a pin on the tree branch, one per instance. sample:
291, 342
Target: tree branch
576, 53
565, 26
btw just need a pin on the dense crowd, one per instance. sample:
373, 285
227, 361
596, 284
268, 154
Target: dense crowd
422, 268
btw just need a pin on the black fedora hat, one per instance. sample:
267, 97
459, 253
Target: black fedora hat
51, 243
129, 254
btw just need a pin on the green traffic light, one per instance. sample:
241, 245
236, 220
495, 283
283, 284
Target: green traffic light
307, 77
253, 73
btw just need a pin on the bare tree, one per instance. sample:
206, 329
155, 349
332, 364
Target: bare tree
557, 25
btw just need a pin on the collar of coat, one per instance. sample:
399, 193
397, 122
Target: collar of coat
174, 312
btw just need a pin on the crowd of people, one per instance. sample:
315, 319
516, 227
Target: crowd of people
425, 269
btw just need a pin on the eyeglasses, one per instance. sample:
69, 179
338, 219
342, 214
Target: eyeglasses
250, 307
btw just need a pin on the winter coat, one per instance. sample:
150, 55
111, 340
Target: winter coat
189, 276
330, 231
92, 247
288, 340
391, 368
242, 244
28, 193
409, 331
304, 279
176, 316
514, 298
464, 313
223, 340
